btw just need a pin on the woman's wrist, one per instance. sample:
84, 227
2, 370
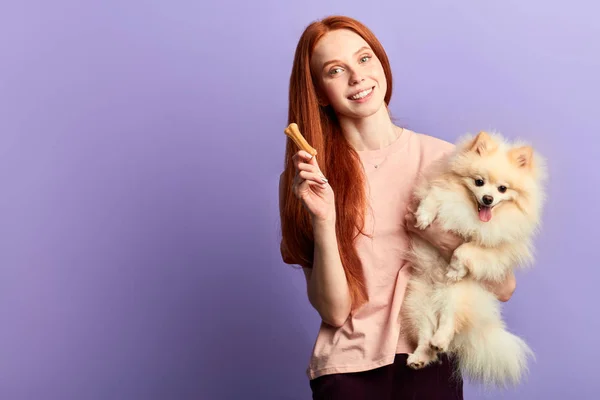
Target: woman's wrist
325, 224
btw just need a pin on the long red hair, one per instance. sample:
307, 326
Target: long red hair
339, 162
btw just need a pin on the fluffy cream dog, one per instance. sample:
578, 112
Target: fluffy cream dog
490, 192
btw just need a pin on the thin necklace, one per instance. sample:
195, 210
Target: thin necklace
376, 166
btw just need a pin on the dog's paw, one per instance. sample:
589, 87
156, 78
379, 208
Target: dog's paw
457, 269
456, 275
424, 219
418, 360
439, 344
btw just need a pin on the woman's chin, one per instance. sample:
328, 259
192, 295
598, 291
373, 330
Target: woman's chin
365, 110
362, 110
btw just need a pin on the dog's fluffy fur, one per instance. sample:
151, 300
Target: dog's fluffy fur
447, 307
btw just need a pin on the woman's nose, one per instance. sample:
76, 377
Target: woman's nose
356, 78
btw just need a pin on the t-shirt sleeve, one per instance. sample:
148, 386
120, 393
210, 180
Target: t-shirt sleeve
433, 149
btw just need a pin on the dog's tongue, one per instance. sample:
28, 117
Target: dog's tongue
485, 213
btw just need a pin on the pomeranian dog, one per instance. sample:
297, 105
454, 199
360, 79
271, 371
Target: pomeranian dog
490, 192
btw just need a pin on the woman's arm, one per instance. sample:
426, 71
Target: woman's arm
327, 286
326, 283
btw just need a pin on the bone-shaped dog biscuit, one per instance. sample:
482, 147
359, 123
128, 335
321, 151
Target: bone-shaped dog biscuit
293, 133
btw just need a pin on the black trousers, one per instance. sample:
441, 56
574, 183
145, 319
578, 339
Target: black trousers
397, 381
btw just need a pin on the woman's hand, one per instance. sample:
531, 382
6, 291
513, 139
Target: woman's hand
446, 242
505, 289
312, 188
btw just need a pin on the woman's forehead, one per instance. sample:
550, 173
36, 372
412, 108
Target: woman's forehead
338, 44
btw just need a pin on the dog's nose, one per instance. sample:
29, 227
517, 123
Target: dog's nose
487, 200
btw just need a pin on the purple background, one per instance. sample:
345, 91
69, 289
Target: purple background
140, 148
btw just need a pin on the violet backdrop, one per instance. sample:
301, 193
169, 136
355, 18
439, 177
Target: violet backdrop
140, 148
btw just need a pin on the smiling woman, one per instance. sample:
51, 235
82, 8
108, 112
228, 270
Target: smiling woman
343, 217
340, 87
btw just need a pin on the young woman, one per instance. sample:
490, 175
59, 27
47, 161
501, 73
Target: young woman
344, 217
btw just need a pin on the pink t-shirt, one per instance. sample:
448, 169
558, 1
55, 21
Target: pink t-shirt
372, 336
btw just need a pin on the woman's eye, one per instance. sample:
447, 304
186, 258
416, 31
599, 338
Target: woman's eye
335, 71
365, 59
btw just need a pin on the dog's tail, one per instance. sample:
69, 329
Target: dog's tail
493, 356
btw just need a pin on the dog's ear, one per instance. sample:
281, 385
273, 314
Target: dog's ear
522, 156
483, 144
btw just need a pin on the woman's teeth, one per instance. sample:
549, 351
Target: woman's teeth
362, 94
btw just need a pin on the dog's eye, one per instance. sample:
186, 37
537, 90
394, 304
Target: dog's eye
479, 182
502, 189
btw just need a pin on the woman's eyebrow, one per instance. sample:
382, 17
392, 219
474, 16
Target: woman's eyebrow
337, 61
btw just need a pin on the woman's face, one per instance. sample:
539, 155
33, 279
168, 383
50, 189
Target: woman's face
351, 77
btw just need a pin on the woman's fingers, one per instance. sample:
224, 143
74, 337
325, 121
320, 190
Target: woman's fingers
312, 176
307, 168
304, 161
303, 186
305, 179
301, 156
411, 221
413, 204
308, 174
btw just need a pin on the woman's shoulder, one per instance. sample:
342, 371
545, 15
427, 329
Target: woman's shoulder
428, 149
432, 144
